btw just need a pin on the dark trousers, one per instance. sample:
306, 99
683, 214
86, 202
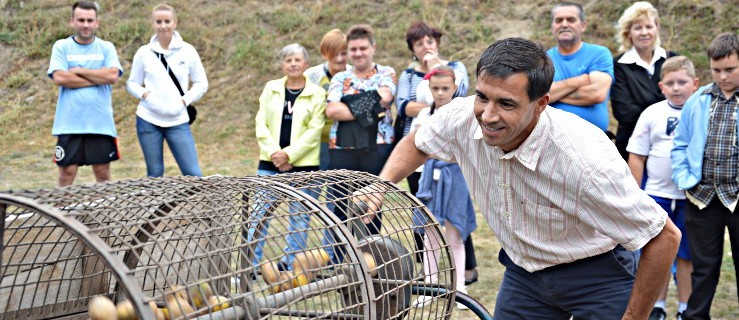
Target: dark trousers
365, 160
598, 287
706, 229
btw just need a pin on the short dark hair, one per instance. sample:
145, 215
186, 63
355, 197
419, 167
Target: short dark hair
507, 57
723, 46
580, 10
87, 5
361, 31
418, 30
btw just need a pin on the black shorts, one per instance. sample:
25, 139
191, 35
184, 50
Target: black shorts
85, 149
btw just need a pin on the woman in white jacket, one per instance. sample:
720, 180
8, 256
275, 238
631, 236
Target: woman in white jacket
162, 112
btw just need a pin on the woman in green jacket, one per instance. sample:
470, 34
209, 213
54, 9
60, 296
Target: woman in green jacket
288, 128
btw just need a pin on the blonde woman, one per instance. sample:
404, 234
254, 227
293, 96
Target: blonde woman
637, 69
162, 111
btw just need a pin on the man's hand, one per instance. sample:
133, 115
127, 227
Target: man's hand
369, 199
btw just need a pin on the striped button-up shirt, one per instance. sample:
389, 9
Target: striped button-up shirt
565, 194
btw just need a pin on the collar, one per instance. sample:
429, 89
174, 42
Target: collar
632, 57
715, 91
279, 86
530, 149
177, 42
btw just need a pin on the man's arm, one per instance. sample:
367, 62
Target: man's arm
98, 76
562, 88
655, 262
404, 159
70, 80
593, 93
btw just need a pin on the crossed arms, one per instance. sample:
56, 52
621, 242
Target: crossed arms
582, 90
83, 77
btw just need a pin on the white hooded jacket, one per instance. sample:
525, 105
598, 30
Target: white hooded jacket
163, 106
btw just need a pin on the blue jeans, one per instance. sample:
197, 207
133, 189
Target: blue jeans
597, 287
180, 141
297, 235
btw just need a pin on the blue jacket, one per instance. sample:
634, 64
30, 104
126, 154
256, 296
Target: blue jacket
448, 198
690, 139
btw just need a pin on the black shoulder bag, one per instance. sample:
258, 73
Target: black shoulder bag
191, 111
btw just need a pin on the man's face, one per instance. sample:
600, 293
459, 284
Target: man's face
567, 27
85, 23
361, 52
504, 111
725, 73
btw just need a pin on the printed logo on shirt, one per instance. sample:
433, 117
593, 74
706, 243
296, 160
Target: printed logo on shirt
672, 123
85, 57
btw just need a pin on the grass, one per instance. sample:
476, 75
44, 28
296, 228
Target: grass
238, 41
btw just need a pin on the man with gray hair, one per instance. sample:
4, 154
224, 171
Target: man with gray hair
583, 71
554, 190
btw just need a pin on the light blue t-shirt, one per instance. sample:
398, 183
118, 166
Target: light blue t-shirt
87, 110
589, 58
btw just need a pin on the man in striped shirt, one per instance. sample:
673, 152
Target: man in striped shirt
555, 191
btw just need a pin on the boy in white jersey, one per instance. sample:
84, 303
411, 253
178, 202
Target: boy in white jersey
649, 147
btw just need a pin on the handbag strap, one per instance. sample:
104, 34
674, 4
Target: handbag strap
171, 74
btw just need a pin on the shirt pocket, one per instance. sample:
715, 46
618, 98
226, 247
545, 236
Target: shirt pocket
545, 223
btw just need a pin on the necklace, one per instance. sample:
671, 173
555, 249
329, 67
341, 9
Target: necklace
296, 92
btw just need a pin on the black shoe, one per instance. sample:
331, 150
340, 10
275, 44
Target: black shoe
679, 316
657, 314
472, 279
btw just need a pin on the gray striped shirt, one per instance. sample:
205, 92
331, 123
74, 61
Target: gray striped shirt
565, 194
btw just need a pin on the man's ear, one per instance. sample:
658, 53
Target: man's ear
542, 103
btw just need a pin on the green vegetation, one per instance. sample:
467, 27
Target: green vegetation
238, 41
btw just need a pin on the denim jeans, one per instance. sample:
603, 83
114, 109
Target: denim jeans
180, 141
297, 235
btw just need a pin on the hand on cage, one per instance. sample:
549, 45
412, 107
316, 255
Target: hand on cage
369, 200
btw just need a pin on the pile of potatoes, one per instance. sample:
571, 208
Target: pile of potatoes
179, 302
302, 273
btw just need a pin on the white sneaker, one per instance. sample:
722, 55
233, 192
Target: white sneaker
423, 301
459, 305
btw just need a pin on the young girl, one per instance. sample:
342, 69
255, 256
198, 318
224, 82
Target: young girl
443, 190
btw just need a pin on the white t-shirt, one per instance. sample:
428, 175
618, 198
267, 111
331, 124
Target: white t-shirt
653, 137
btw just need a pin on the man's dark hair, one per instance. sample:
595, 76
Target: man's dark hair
87, 5
507, 57
723, 46
580, 11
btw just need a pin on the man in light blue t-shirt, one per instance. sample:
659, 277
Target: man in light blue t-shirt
583, 72
84, 67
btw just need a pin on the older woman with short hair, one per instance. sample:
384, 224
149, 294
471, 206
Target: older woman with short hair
636, 69
288, 129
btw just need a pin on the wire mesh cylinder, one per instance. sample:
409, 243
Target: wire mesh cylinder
290, 245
